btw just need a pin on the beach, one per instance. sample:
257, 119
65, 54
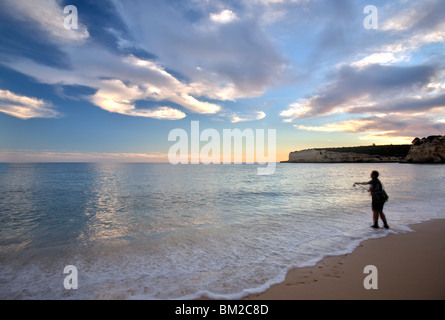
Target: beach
410, 266
133, 234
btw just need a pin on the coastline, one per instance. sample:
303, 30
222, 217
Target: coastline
410, 266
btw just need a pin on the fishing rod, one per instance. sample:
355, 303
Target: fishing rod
364, 188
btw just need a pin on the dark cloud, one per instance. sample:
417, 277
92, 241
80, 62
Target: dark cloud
404, 105
384, 126
396, 126
374, 81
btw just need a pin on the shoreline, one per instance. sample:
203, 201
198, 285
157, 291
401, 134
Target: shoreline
410, 266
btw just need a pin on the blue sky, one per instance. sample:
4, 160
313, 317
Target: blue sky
134, 70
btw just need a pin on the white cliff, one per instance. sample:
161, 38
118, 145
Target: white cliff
425, 150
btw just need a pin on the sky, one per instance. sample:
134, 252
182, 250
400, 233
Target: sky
322, 73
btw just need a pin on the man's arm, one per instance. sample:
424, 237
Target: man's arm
364, 183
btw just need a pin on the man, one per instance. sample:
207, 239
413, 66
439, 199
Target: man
377, 204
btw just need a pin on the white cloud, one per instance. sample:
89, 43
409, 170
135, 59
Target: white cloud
215, 91
114, 96
121, 101
25, 107
384, 137
343, 126
296, 110
258, 116
383, 58
415, 41
118, 88
223, 17
162, 113
176, 91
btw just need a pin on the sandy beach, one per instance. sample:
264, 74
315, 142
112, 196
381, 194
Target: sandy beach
410, 266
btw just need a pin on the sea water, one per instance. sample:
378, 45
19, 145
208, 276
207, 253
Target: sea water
162, 231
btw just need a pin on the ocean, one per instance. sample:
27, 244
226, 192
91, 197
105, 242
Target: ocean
162, 231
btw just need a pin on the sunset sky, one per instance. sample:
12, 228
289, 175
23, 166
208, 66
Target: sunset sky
113, 89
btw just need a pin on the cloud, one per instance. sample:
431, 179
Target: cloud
118, 88
190, 65
382, 58
48, 16
416, 104
296, 110
387, 101
223, 17
362, 88
236, 118
408, 26
116, 97
236, 59
356, 125
385, 126
118, 102
23, 107
186, 56
419, 16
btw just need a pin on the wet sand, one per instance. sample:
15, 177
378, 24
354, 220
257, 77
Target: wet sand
409, 266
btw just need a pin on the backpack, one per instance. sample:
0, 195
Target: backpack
380, 196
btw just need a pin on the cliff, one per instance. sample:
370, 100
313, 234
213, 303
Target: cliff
427, 150
324, 156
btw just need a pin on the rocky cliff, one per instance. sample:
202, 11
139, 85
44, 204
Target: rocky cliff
323, 156
427, 150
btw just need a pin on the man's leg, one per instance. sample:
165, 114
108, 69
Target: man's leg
383, 217
375, 218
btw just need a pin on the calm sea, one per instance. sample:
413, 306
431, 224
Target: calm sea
158, 231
